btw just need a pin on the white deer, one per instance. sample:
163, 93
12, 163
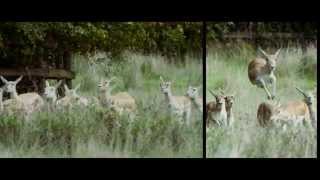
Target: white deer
72, 98
50, 94
27, 102
261, 72
216, 111
120, 102
197, 101
178, 106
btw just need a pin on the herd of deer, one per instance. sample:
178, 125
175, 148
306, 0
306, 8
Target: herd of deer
218, 112
27, 103
261, 73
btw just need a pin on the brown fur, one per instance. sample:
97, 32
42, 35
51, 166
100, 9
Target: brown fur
257, 67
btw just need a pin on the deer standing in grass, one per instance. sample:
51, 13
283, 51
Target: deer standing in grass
50, 94
120, 102
27, 102
216, 111
72, 98
261, 72
179, 106
293, 112
197, 101
229, 100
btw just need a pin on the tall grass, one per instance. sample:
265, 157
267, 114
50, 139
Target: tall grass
98, 132
227, 69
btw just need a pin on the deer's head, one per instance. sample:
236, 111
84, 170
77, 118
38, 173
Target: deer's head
10, 86
50, 92
192, 92
165, 86
271, 58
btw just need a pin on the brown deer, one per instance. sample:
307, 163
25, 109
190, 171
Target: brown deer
261, 72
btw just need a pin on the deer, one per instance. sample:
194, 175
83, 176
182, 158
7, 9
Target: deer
178, 106
193, 94
261, 72
293, 112
10, 107
31, 102
72, 98
229, 100
50, 94
216, 110
120, 102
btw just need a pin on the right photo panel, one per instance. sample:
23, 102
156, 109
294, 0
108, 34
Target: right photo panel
261, 90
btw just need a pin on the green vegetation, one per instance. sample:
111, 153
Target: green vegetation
97, 132
27, 41
227, 69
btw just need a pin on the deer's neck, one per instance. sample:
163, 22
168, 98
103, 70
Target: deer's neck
229, 113
196, 103
169, 98
14, 95
104, 96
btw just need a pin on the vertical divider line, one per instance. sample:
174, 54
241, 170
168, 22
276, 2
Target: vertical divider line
204, 55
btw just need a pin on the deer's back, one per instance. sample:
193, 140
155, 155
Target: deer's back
264, 113
256, 68
182, 101
123, 99
296, 108
33, 101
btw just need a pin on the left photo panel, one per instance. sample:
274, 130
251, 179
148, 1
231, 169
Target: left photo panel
101, 90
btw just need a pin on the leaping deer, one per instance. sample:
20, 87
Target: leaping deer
261, 72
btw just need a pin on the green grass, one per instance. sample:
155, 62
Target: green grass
227, 69
97, 132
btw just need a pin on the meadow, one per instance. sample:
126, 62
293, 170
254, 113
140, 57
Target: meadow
227, 70
98, 132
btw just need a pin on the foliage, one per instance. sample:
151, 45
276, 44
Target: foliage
21, 39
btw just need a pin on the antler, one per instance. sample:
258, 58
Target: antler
212, 92
303, 93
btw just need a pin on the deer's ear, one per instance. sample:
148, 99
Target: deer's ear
264, 53
277, 53
66, 88
77, 87
19, 79
3, 80
59, 83
161, 79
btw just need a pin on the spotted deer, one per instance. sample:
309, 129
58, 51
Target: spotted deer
216, 111
261, 72
178, 106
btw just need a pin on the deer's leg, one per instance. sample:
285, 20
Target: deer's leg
262, 84
273, 81
188, 116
